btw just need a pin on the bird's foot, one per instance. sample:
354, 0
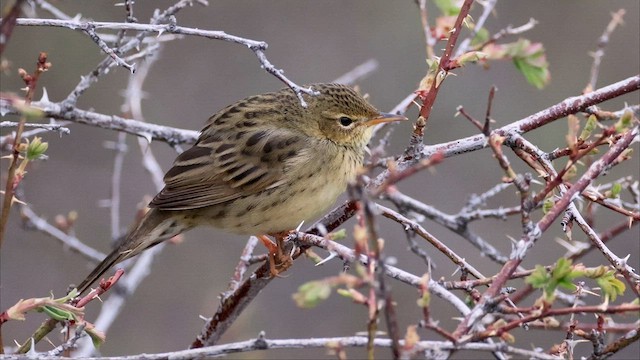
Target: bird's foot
279, 262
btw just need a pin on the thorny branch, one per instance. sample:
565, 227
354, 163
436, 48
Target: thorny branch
241, 293
89, 27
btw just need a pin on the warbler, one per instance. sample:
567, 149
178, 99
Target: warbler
260, 166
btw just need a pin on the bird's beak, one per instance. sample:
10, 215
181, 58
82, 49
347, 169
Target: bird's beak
384, 118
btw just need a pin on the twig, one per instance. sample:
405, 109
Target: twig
231, 306
242, 266
349, 255
603, 41
90, 30
31, 80
45, 5
620, 264
444, 249
142, 265
443, 65
49, 127
488, 7
431, 349
69, 344
258, 47
9, 22
120, 148
459, 223
7, 140
568, 106
536, 314
69, 241
113, 305
358, 73
528, 239
428, 39
617, 345
508, 31
112, 122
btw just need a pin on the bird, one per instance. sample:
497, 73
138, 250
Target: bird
260, 166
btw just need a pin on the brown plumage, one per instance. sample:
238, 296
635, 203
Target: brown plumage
260, 166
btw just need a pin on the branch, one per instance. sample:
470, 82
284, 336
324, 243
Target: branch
529, 238
258, 47
70, 242
147, 131
429, 349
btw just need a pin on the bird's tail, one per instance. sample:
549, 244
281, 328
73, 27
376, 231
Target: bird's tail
155, 227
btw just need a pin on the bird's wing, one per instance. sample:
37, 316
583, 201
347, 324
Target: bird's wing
228, 162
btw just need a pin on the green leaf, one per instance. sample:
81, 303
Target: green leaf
611, 286
339, 234
97, 336
481, 37
535, 75
425, 299
538, 278
624, 122
448, 7
56, 313
561, 275
529, 58
591, 124
615, 190
36, 148
310, 294
548, 204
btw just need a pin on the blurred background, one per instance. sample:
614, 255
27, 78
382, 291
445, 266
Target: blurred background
312, 42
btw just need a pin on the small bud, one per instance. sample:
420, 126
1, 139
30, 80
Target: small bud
36, 148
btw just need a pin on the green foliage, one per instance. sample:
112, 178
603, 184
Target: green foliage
424, 300
610, 286
531, 61
310, 294
563, 274
482, 36
529, 58
624, 122
592, 123
548, 204
36, 148
448, 7
615, 191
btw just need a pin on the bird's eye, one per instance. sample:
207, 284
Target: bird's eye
345, 121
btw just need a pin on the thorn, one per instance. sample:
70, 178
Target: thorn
32, 353
147, 137
456, 271
45, 96
331, 256
15, 200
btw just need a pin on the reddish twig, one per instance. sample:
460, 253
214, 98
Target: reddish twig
31, 80
537, 315
50, 324
8, 23
532, 236
429, 98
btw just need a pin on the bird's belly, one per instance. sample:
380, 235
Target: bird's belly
278, 209
306, 196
